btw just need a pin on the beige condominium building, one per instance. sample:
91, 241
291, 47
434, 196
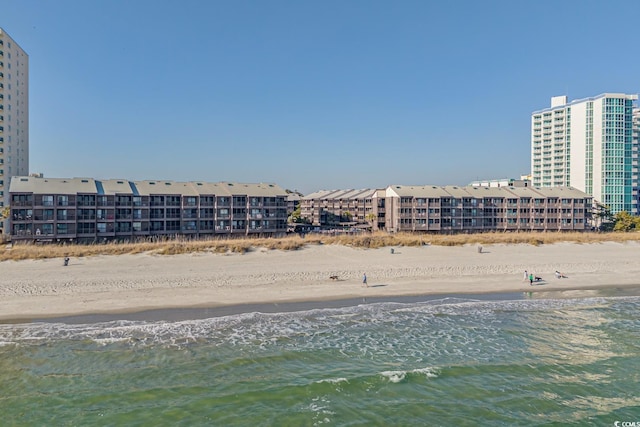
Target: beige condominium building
452, 209
89, 210
338, 207
14, 113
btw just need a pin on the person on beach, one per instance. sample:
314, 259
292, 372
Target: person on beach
526, 276
364, 280
531, 279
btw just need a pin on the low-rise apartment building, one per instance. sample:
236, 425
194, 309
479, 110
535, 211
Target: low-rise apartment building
88, 210
336, 207
453, 209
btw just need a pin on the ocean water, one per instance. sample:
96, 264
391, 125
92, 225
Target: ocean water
445, 362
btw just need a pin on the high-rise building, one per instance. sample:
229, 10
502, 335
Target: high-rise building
14, 113
634, 154
588, 144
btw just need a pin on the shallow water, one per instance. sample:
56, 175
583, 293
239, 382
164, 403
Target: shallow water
451, 361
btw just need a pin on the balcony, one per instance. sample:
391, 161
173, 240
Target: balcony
17, 217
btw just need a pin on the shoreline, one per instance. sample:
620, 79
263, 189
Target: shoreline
131, 285
177, 314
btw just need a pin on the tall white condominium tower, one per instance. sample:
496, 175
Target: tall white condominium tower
588, 144
14, 113
635, 168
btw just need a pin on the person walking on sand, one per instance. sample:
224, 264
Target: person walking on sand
526, 276
364, 280
531, 279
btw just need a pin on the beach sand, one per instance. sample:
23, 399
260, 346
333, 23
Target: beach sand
131, 283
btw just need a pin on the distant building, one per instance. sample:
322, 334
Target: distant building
90, 210
635, 166
14, 114
338, 207
504, 182
588, 144
293, 201
453, 209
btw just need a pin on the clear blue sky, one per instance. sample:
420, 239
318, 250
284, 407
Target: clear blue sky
309, 94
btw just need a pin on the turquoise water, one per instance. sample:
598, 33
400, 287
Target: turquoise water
444, 362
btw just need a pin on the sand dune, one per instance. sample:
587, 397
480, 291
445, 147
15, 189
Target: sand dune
101, 284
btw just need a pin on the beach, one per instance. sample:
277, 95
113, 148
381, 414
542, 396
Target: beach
129, 283
442, 333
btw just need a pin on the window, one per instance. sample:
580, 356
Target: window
173, 213
173, 225
206, 213
86, 228
206, 201
190, 213
206, 225
123, 213
86, 200
86, 214
157, 226
123, 200
189, 226
156, 213
157, 200
123, 227
47, 229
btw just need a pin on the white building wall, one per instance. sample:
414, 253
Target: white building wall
577, 162
558, 101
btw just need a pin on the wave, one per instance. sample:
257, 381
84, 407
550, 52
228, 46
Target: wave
316, 325
399, 376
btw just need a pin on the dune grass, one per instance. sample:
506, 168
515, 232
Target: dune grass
243, 245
